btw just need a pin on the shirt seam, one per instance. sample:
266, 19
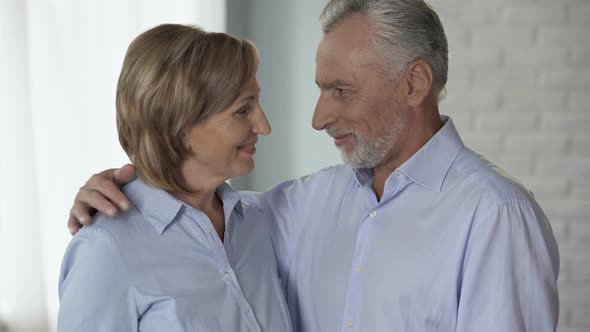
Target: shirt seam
109, 235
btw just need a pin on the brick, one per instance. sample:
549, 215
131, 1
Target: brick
458, 37
579, 13
514, 121
577, 122
578, 101
476, 57
568, 209
462, 121
539, 144
503, 36
565, 314
581, 189
468, 12
581, 316
488, 145
578, 78
573, 249
533, 13
546, 187
564, 270
518, 166
580, 269
535, 57
505, 79
560, 230
580, 56
479, 13
561, 328
563, 36
459, 80
472, 101
446, 9
542, 100
581, 145
575, 168
580, 230
577, 292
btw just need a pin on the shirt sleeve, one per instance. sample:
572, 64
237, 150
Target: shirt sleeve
510, 270
94, 288
280, 207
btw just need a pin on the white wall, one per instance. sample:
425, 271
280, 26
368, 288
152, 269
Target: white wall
59, 62
518, 87
519, 82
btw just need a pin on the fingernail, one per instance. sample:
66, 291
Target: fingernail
111, 212
124, 205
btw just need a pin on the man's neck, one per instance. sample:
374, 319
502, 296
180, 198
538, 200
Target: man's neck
413, 138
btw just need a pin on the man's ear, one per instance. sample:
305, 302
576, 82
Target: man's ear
419, 79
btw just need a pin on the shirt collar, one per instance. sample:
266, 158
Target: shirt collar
429, 166
160, 208
156, 205
231, 200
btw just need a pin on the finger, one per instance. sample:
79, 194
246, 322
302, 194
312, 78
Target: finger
81, 213
73, 224
108, 189
92, 199
124, 174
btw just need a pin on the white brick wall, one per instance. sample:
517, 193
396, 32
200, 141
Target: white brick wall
519, 92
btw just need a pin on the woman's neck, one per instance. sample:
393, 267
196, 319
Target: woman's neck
202, 195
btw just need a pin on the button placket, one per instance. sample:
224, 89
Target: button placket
226, 271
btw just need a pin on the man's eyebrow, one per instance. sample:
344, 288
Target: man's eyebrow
333, 84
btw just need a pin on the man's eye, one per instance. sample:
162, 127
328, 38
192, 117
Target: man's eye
339, 92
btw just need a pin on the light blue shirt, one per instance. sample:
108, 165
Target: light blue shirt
162, 267
453, 245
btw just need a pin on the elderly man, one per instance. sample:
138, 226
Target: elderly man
416, 232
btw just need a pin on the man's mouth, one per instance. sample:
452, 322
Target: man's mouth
341, 137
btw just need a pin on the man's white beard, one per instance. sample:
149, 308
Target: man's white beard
371, 151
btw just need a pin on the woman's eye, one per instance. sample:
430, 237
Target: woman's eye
243, 111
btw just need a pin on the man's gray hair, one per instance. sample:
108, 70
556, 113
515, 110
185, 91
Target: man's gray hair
406, 30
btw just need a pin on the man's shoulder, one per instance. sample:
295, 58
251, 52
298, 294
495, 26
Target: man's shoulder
330, 179
327, 178
474, 173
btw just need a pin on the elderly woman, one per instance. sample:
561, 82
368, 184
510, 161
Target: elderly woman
190, 254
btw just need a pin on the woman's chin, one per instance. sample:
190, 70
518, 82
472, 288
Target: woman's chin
244, 168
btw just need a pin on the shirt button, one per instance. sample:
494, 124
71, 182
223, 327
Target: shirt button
227, 276
373, 213
349, 324
359, 268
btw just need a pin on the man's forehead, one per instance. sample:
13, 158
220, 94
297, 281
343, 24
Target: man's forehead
347, 43
351, 62
353, 31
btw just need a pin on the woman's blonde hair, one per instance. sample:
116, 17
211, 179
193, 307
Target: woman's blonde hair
173, 77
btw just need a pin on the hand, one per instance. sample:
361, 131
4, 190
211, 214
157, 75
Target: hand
102, 192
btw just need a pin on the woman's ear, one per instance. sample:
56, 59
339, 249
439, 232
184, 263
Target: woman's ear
186, 143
